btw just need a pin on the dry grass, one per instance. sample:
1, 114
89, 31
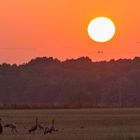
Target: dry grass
78, 124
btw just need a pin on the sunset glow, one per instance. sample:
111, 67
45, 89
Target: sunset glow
30, 29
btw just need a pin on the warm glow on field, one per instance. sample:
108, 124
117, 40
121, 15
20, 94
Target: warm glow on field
101, 29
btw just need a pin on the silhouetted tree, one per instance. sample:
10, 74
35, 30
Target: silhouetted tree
72, 83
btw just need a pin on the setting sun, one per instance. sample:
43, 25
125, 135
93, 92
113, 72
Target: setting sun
32, 28
101, 29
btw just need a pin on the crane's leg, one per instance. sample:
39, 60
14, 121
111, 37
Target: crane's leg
15, 130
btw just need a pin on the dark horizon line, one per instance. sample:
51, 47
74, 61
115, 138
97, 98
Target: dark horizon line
71, 59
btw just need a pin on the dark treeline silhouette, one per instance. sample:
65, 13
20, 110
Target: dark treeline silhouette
48, 82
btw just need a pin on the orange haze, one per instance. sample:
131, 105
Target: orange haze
58, 28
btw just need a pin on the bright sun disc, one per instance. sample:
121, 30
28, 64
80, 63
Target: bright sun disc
101, 29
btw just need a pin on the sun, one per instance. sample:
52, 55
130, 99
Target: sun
101, 29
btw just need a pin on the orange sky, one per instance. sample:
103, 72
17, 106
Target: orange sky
58, 28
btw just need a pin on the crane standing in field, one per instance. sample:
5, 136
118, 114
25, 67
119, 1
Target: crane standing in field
34, 127
1, 127
12, 126
40, 127
50, 128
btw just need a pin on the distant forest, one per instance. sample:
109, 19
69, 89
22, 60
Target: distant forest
74, 83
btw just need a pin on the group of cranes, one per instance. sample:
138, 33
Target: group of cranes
9, 125
48, 129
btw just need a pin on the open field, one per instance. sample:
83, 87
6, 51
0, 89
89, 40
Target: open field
75, 124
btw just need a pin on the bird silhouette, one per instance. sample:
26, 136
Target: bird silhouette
34, 127
1, 127
50, 128
12, 126
40, 127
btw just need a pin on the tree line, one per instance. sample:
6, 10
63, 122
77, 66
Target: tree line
48, 82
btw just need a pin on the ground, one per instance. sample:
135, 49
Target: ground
74, 124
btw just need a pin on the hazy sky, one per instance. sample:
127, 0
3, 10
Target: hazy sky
58, 28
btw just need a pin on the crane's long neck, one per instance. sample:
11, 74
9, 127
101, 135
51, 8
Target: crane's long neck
52, 122
36, 121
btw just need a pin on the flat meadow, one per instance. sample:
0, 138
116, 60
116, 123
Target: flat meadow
74, 124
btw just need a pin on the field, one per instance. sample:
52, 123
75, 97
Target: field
75, 124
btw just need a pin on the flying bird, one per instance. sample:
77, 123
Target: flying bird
100, 52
